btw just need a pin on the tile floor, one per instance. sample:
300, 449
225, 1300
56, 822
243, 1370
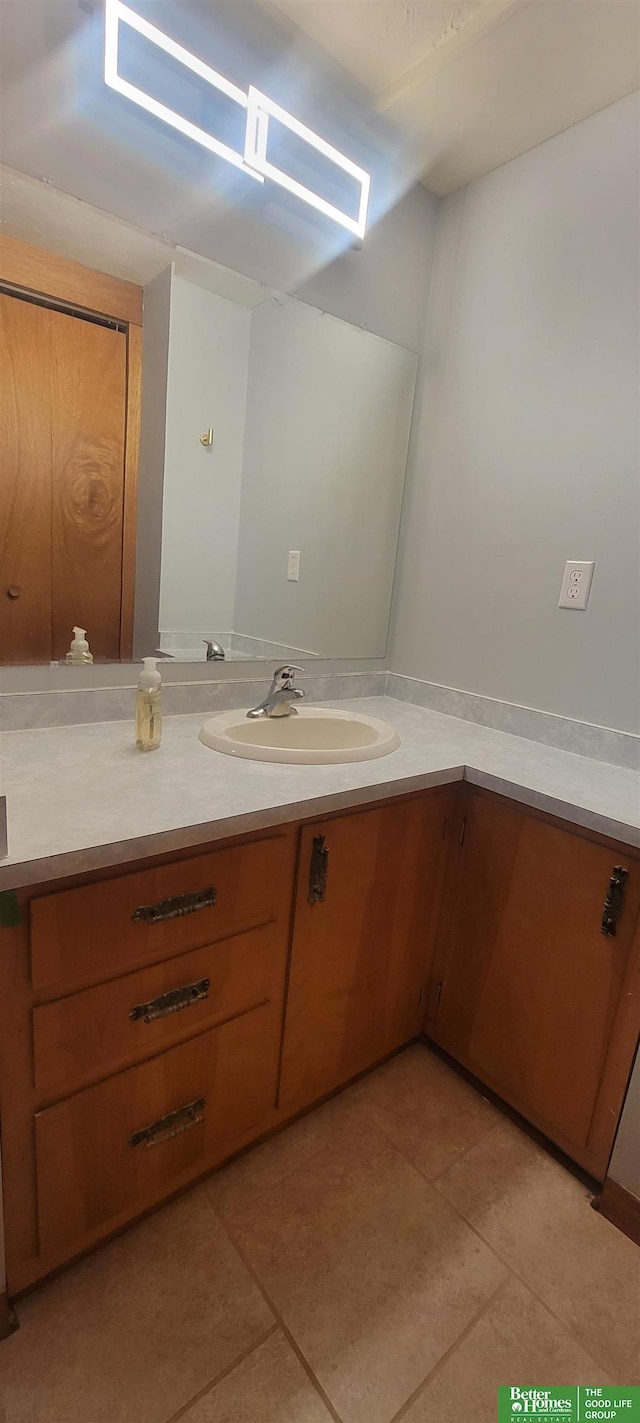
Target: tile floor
396, 1254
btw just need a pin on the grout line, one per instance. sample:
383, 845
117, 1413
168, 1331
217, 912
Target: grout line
224, 1373
402, 1412
284, 1328
531, 1289
434, 1180
302, 1165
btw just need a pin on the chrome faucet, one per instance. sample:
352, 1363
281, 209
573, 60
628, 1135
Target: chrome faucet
281, 695
215, 653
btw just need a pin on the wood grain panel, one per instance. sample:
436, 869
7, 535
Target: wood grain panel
360, 958
552, 981
533, 998
86, 935
89, 1173
91, 1034
47, 274
25, 482
88, 385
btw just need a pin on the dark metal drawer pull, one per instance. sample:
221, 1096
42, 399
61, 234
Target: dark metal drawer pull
318, 870
175, 908
613, 902
171, 1002
172, 1125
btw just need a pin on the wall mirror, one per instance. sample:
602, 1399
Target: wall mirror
273, 447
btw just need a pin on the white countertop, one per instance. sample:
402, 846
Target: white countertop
82, 797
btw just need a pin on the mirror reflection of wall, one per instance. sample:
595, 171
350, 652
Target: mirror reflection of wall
311, 419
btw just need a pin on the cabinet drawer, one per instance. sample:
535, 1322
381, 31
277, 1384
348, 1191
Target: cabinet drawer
109, 1152
95, 932
94, 1033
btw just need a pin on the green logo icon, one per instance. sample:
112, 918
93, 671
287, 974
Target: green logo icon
569, 1404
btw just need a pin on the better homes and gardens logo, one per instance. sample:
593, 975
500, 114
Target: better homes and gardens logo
569, 1405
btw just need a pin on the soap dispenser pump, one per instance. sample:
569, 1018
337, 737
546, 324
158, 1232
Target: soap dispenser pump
149, 707
79, 651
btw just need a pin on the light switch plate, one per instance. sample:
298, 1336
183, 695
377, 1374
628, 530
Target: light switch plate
576, 584
293, 565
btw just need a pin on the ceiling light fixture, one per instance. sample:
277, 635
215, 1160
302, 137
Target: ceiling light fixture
259, 110
117, 13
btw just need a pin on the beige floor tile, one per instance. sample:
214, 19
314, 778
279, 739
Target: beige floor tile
270, 1386
429, 1112
238, 1185
133, 1332
372, 1271
516, 1341
538, 1216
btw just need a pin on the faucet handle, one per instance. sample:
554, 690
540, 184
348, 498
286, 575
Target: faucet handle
286, 673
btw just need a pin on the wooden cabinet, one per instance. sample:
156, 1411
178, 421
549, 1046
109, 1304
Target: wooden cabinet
367, 896
112, 1150
141, 918
140, 1034
88, 1035
156, 1021
527, 991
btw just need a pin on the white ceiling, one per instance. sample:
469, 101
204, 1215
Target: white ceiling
379, 41
473, 83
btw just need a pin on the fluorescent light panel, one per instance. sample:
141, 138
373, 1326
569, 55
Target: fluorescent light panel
260, 109
115, 14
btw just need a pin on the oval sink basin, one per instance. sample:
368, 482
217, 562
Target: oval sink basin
315, 736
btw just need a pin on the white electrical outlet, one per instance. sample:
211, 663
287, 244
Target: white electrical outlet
293, 565
576, 583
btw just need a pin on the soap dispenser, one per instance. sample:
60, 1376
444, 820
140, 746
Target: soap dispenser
149, 707
79, 651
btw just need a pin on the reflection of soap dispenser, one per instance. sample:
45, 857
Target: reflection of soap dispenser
149, 707
79, 651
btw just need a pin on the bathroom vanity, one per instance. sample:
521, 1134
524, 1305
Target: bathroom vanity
159, 1016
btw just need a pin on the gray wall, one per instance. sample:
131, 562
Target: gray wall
207, 386
526, 448
155, 359
326, 436
625, 1162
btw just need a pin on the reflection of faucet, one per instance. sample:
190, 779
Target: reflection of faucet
281, 695
215, 653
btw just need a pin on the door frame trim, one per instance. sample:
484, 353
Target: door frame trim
46, 274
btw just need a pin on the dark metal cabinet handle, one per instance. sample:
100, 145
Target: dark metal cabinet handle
171, 1125
613, 901
175, 908
172, 1002
318, 870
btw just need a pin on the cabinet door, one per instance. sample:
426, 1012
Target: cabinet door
528, 988
360, 951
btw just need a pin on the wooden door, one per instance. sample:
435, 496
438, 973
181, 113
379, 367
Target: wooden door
88, 403
360, 954
25, 482
61, 481
529, 987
